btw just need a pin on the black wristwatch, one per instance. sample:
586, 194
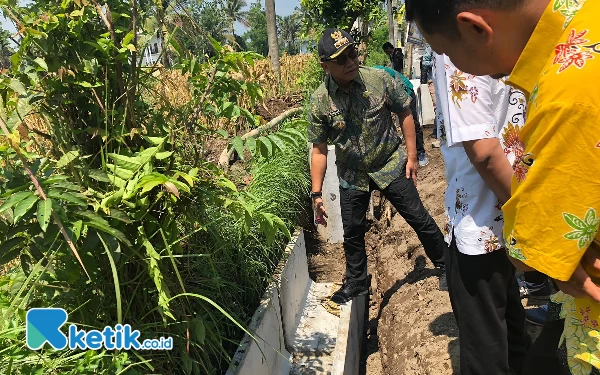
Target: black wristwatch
314, 195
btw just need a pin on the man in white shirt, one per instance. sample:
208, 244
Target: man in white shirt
478, 120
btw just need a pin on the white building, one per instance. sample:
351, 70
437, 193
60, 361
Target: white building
153, 51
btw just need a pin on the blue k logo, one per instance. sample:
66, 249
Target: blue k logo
43, 326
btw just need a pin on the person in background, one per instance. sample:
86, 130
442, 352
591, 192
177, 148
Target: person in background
553, 215
478, 119
421, 154
353, 109
427, 67
396, 56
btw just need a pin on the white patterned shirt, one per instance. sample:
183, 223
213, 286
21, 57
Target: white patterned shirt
471, 108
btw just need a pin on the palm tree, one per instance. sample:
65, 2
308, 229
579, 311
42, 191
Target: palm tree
6, 50
272, 35
289, 27
235, 12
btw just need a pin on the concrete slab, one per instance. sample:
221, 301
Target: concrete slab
350, 337
266, 355
292, 319
315, 342
334, 232
426, 106
294, 286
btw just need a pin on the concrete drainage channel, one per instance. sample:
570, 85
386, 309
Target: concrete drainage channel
293, 331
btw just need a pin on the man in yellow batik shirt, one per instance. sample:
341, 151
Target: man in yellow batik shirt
551, 50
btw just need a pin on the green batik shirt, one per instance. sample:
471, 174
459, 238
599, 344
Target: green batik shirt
359, 123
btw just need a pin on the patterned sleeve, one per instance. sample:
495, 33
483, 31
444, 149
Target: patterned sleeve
396, 97
318, 130
554, 213
471, 105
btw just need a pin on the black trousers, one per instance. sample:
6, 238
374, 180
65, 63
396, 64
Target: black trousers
484, 294
418, 129
544, 356
403, 195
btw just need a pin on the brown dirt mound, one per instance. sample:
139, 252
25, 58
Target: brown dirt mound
273, 107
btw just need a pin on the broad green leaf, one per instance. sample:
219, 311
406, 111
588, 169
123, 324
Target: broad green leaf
105, 177
163, 155
41, 63
281, 225
156, 141
187, 362
120, 215
76, 228
23, 207
9, 249
44, 213
121, 173
265, 146
77, 12
150, 181
238, 146
189, 179
17, 87
226, 183
128, 38
14, 199
288, 138
277, 142
199, 330
101, 226
98, 175
227, 110
54, 179
113, 199
251, 144
87, 84
176, 46
249, 116
67, 158
127, 162
67, 197
294, 132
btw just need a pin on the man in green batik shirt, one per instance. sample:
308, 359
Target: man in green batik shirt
353, 109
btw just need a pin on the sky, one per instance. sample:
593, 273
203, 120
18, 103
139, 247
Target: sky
282, 8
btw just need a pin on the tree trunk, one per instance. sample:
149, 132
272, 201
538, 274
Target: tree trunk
272, 35
390, 13
396, 26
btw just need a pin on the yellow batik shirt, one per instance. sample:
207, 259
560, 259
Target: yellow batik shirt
554, 213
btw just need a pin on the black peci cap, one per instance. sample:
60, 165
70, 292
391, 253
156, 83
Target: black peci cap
333, 42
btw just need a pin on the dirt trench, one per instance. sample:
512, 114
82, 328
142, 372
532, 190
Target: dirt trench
410, 328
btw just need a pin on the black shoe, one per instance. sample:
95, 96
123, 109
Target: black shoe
349, 291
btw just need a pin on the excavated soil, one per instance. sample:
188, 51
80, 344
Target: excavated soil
410, 328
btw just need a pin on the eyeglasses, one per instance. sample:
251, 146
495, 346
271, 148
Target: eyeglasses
342, 59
